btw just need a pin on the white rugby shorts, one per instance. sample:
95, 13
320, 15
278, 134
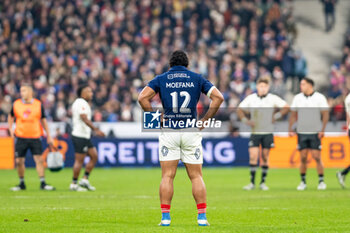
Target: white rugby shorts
181, 145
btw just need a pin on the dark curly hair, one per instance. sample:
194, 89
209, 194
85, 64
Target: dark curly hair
309, 81
81, 88
178, 58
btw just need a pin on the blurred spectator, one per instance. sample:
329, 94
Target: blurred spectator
339, 79
329, 13
300, 69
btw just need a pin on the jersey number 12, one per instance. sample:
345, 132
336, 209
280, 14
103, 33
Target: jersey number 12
175, 102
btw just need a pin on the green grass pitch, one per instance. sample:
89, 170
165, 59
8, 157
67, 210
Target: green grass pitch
126, 200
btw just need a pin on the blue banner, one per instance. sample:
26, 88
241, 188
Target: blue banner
144, 152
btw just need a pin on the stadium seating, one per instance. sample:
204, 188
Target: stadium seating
118, 47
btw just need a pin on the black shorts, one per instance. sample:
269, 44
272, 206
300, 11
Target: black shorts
81, 145
309, 141
23, 144
265, 140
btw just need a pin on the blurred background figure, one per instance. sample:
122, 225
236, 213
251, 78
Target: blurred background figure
329, 13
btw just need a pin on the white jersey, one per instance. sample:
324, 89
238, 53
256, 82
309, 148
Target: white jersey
309, 112
80, 129
347, 106
261, 111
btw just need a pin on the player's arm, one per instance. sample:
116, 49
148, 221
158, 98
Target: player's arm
145, 97
45, 125
347, 120
325, 115
278, 115
325, 119
243, 111
347, 112
293, 116
242, 115
216, 100
10, 120
285, 109
292, 120
89, 123
46, 128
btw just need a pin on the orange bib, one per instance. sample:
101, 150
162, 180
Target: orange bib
28, 118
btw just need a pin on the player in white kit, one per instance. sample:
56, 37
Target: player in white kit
81, 137
342, 174
311, 112
262, 109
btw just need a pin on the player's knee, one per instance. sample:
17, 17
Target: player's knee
19, 162
78, 163
195, 175
169, 175
93, 158
38, 160
304, 160
317, 159
253, 161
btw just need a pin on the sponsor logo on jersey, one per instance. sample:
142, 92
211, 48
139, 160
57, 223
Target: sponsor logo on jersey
26, 113
178, 75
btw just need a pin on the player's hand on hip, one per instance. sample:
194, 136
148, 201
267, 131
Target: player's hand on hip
99, 133
201, 128
320, 134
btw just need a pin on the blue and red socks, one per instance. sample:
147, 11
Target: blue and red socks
165, 211
202, 209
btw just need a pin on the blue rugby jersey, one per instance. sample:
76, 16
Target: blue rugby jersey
179, 90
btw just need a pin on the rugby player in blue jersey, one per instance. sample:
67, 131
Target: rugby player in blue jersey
180, 90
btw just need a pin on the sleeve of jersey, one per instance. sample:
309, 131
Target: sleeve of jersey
207, 87
43, 115
12, 112
293, 106
279, 102
245, 103
347, 105
324, 104
154, 84
81, 108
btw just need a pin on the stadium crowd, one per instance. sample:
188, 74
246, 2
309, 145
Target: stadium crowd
117, 47
339, 78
